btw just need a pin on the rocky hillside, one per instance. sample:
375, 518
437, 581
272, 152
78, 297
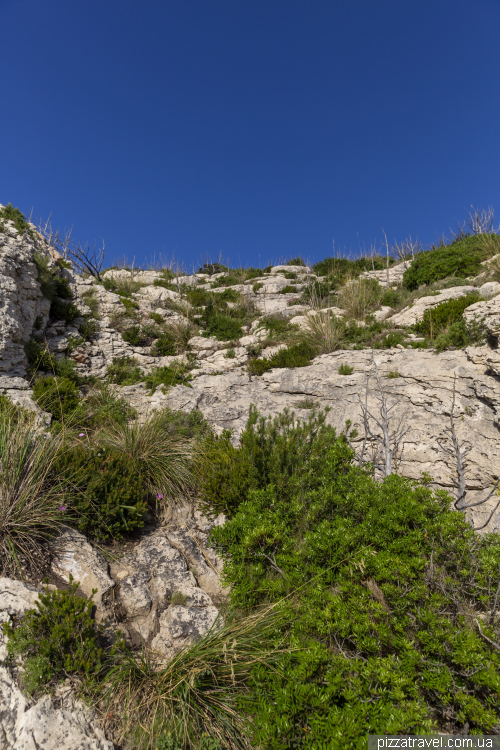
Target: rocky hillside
405, 365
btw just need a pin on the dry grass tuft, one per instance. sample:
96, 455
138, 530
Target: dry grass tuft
165, 460
359, 297
30, 497
324, 332
197, 693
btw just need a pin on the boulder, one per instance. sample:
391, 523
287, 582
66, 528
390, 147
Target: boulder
414, 313
73, 555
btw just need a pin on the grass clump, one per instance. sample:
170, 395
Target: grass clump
345, 369
124, 287
175, 374
56, 289
59, 396
277, 326
297, 355
359, 297
460, 259
30, 496
324, 332
134, 336
161, 457
387, 585
194, 701
106, 497
393, 374
289, 289
58, 639
124, 371
89, 296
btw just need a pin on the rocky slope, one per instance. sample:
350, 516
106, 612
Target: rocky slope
165, 588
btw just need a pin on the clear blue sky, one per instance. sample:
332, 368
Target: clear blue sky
260, 129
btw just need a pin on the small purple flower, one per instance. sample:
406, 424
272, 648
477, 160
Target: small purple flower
62, 508
159, 497
82, 434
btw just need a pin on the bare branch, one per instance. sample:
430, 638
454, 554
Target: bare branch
459, 452
389, 437
83, 258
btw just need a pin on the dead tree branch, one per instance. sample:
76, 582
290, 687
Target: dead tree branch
388, 436
459, 452
85, 259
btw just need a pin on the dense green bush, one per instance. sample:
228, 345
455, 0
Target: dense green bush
436, 319
223, 327
385, 585
277, 326
342, 268
390, 298
124, 371
461, 259
289, 289
56, 289
297, 355
296, 262
108, 498
58, 639
164, 346
269, 452
59, 396
64, 310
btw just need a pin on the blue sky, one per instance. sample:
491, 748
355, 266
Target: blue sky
254, 129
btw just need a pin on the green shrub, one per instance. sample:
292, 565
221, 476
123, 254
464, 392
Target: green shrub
297, 355
290, 275
10, 213
124, 371
460, 334
56, 289
385, 585
164, 346
289, 289
59, 396
58, 639
230, 353
339, 269
88, 329
271, 451
277, 326
442, 316
393, 374
122, 287
461, 259
174, 374
134, 336
295, 262
108, 498
223, 327
90, 298
256, 287
156, 317
390, 298
345, 369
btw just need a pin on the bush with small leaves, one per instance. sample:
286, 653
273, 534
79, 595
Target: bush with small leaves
389, 594
296, 262
108, 498
88, 329
9, 213
297, 355
438, 318
133, 336
58, 639
156, 317
461, 259
289, 289
345, 369
390, 298
164, 346
393, 374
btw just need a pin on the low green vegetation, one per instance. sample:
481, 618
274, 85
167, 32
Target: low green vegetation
124, 371
384, 586
123, 287
167, 377
56, 289
460, 259
9, 213
345, 369
107, 496
445, 327
57, 639
57, 395
297, 355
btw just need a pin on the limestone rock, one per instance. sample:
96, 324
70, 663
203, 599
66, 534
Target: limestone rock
488, 312
16, 598
73, 555
395, 274
489, 289
25, 725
